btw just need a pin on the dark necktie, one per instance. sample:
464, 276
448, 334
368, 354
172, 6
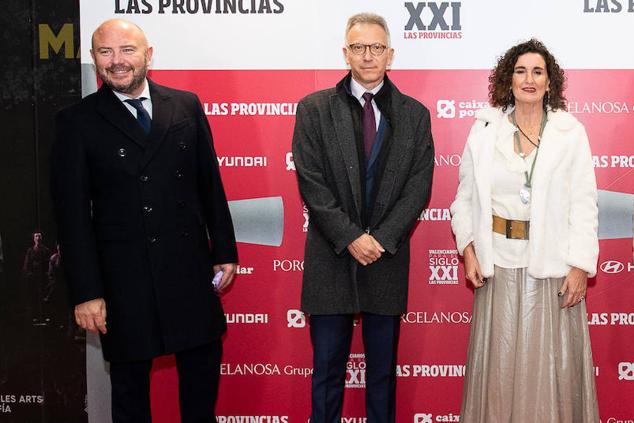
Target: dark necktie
142, 116
369, 125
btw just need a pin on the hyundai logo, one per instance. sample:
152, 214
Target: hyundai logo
612, 266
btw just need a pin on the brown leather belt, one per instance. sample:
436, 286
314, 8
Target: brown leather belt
512, 229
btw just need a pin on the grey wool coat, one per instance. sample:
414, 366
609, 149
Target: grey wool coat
330, 169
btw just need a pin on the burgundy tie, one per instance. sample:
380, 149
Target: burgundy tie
369, 125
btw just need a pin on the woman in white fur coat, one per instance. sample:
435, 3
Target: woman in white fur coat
525, 219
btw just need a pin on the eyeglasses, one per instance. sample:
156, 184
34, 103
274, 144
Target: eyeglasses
376, 49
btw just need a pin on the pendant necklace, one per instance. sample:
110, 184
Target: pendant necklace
525, 190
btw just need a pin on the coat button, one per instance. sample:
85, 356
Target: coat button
152, 239
147, 209
178, 174
122, 152
183, 146
143, 178
180, 203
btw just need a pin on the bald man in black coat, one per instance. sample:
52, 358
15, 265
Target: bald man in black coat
144, 226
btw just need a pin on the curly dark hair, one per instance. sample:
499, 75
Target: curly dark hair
501, 77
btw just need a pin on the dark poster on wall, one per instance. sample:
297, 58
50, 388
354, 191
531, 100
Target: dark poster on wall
42, 353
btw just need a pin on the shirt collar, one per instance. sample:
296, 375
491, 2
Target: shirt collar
145, 93
357, 90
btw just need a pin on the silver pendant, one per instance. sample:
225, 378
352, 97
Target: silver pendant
525, 194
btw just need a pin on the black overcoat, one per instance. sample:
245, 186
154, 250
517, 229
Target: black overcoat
330, 174
135, 213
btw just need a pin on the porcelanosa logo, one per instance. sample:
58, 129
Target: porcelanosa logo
433, 20
450, 109
443, 160
599, 107
443, 267
288, 265
436, 317
264, 369
196, 7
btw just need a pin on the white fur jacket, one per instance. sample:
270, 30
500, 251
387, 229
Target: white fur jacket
564, 213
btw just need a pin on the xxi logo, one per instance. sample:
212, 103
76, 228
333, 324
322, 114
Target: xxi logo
443, 273
438, 11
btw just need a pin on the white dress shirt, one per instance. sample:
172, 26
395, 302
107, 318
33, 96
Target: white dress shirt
358, 90
147, 103
507, 179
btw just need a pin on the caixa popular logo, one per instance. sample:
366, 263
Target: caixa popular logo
429, 418
626, 371
433, 20
450, 109
613, 267
446, 109
290, 163
306, 216
295, 319
443, 267
244, 270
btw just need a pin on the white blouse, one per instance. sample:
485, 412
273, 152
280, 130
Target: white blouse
508, 178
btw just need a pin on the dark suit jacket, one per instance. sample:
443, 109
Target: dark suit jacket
134, 212
330, 171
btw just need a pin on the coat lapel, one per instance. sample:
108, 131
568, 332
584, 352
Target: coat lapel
394, 145
111, 109
162, 111
482, 152
342, 118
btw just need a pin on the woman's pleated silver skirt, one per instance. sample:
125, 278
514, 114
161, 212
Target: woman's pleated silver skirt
529, 360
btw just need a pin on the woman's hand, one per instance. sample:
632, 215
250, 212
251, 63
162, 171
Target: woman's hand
575, 286
472, 267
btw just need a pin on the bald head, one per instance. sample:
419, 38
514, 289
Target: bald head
121, 55
120, 25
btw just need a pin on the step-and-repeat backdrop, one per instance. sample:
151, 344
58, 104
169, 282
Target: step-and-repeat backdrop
250, 61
